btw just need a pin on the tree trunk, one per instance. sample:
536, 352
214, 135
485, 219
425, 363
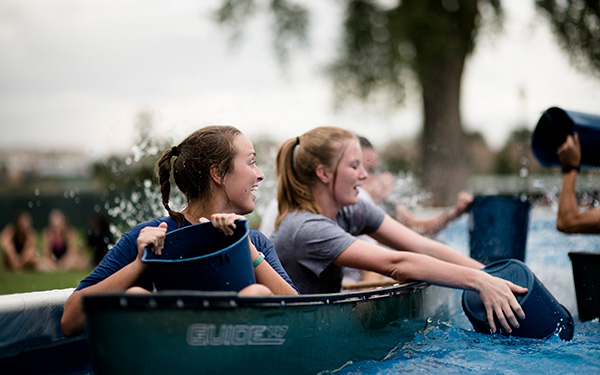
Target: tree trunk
444, 169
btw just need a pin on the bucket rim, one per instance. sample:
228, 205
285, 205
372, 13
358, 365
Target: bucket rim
146, 257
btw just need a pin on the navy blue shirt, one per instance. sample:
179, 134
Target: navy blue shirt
125, 251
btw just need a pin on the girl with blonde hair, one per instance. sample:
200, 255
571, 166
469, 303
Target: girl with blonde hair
320, 215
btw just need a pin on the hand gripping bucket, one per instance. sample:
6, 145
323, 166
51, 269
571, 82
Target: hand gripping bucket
544, 316
498, 226
552, 129
586, 276
199, 257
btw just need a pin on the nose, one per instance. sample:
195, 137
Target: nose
362, 173
259, 175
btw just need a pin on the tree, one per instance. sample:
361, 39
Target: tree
576, 23
385, 45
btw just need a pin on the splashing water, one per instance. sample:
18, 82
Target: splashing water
452, 346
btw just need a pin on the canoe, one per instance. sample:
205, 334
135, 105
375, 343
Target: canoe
220, 332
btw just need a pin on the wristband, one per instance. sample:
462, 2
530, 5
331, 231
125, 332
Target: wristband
568, 168
260, 258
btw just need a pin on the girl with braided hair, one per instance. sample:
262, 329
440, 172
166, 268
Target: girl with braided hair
215, 169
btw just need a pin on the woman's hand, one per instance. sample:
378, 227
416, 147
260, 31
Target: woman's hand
152, 237
224, 222
498, 298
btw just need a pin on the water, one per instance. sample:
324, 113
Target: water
452, 347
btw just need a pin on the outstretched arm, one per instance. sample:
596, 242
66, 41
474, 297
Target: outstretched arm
496, 294
432, 226
570, 219
397, 236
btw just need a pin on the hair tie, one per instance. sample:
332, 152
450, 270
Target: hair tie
297, 141
174, 151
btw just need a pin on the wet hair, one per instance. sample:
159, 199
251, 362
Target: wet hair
211, 146
297, 162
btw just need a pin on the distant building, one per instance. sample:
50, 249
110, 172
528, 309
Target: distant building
18, 166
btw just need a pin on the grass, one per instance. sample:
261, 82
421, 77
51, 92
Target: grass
30, 281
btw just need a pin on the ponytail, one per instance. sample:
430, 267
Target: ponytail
164, 179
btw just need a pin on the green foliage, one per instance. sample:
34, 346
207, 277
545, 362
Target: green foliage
576, 24
384, 46
289, 21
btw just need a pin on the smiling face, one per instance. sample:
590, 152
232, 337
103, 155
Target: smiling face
349, 175
243, 178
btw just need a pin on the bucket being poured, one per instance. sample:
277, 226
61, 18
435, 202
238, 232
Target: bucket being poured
498, 226
544, 316
200, 257
552, 130
586, 276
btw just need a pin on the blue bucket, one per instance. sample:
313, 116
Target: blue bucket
544, 316
199, 257
498, 226
586, 276
552, 129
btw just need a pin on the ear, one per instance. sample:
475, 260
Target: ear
215, 174
324, 174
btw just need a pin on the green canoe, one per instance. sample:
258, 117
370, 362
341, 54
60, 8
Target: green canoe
220, 333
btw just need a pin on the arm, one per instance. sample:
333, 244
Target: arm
429, 227
569, 219
73, 319
266, 275
496, 294
397, 236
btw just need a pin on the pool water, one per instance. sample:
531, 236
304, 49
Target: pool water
452, 347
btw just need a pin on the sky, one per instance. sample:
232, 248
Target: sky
76, 74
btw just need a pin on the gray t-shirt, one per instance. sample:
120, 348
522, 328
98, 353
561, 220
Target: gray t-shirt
307, 244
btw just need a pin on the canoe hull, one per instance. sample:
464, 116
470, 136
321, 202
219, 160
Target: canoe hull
223, 333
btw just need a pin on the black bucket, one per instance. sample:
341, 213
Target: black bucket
552, 129
498, 226
199, 257
586, 276
544, 316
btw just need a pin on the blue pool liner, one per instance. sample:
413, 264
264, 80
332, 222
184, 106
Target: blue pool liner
200, 257
544, 316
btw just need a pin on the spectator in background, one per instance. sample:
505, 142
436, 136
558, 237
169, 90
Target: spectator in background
378, 186
60, 249
18, 240
570, 219
376, 189
100, 238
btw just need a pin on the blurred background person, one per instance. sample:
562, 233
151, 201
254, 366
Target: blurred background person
100, 238
18, 240
376, 189
60, 248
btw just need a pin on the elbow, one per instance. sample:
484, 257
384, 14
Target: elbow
71, 322
565, 225
68, 328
